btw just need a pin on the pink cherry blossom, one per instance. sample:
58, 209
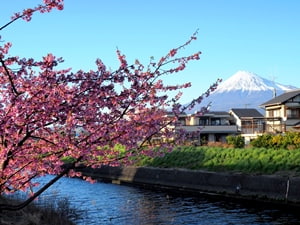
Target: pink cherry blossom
93, 118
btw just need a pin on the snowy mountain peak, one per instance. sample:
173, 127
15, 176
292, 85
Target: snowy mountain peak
242, 90
247, 81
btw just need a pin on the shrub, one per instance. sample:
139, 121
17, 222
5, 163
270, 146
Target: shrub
263, 141
289, 140
236, 141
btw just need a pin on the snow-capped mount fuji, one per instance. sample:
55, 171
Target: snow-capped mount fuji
243, 90
247, 82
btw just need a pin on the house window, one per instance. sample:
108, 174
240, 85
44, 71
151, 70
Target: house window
274, 113
203, 121
215, 122
293, 113
270, 113
182, 122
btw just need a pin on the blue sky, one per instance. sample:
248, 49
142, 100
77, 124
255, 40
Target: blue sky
260, 36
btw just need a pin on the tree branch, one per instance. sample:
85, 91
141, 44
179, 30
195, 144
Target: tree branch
1, 28
13, 87
67, 168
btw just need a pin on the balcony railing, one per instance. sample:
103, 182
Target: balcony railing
211, 129
260, 129
252, 129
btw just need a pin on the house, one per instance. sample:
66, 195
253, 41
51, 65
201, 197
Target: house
250, 122
283, 112
213, 126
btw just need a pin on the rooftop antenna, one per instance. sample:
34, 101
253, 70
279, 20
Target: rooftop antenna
274, 89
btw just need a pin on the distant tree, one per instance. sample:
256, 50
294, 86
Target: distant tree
49, 114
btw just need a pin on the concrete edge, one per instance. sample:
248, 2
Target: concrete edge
277, 189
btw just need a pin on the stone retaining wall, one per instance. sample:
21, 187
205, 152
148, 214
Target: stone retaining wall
263, 187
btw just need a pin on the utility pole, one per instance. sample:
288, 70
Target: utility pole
274, 89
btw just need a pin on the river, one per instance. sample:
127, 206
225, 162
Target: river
106, 203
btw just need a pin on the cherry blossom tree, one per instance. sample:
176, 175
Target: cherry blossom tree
92, 118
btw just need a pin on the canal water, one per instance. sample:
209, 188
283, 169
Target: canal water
106, 203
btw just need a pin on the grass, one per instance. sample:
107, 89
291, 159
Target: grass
247, 160
55, 211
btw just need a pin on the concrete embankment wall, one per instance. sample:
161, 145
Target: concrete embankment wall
262, 187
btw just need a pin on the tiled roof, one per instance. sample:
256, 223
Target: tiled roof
240, 112
281, 98
216, 113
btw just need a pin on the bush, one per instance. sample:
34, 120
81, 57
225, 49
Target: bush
288, 140
236, 141
263, 141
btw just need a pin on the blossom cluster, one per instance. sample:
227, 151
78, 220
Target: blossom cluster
91, 118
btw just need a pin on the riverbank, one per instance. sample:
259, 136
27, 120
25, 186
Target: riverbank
283, 190
35, 215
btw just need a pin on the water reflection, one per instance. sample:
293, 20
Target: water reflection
106, 203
